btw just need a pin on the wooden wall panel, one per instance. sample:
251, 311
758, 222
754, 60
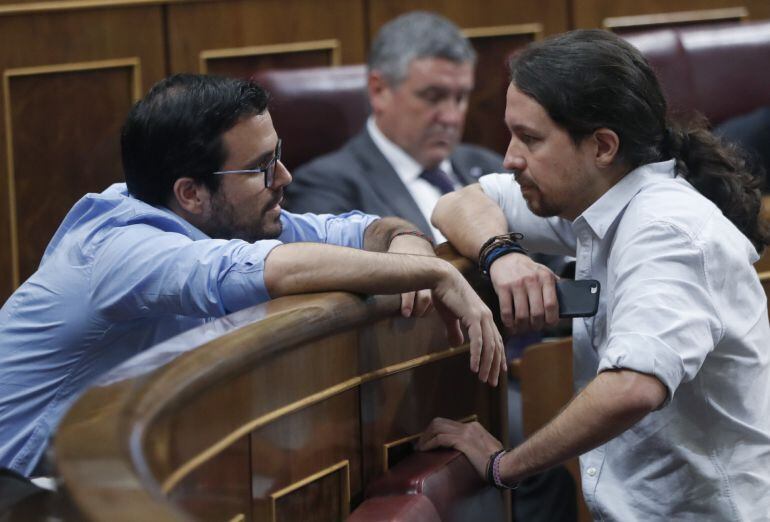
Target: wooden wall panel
64, 125
81, 139
242, 62
205, 27
592, 13
484, 124
491, 13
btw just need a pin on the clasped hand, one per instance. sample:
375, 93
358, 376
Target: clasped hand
526, 291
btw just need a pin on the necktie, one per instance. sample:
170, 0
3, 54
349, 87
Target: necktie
439, 179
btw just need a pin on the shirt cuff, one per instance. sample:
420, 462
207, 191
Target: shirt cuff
644, 354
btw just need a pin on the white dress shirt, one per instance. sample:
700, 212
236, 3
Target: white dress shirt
424, 194
680, 300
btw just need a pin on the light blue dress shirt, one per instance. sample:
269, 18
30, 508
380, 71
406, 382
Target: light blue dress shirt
118, 277
680, 300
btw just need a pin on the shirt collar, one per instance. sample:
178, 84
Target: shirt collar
604, 211
192, 231
404, 164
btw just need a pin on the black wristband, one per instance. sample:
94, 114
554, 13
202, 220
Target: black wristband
498, 246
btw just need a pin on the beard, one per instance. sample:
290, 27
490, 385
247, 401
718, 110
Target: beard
227, 222
536, 203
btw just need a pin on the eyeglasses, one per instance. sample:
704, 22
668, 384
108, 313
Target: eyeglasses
269, 169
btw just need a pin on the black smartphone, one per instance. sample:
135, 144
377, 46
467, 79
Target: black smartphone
578, 298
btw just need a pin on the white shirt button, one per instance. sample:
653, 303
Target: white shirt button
591, 471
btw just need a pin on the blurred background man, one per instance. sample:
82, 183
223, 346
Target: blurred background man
421, 72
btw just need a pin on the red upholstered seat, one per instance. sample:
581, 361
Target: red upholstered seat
721, 70
396, 508
447, 479
315, 110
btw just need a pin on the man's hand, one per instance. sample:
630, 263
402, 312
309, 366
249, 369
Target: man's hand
471, 438
527, 293
413, 304
455, 299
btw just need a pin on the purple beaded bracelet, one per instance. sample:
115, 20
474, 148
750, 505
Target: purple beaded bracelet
496, 472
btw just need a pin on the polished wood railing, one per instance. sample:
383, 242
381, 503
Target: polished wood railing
284, 411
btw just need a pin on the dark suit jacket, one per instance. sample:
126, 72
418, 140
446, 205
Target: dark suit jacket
358, 177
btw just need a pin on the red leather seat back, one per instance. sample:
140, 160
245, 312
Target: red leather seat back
720, 71
448, 480
315, 110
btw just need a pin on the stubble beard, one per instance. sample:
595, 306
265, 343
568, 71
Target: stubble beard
224, 223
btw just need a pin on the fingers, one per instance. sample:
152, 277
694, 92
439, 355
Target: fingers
536, 307
407, 304
496, 350
437, 426
489, 351
550, 302
422, 303
452, 324
526, 291
471, 438
521, 308
475, 332
506, 308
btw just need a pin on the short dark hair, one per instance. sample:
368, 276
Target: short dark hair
591, 79
176, 131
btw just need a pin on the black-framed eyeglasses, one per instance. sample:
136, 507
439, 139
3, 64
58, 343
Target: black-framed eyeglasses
268, 169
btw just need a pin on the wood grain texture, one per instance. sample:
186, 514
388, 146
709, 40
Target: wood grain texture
553, 15
64, 126
545, 376
196, 27
591, 13
179, 428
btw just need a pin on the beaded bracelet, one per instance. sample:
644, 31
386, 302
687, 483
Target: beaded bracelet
490, 473
493, 470
498, 246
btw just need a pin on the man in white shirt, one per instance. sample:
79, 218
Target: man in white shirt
672, 416
420, 78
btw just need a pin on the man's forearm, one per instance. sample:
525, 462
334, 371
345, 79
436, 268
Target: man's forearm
468, 218
311, 267
380, 233
612, 403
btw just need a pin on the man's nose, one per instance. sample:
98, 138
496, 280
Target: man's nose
514, 160
282, 176
452, 111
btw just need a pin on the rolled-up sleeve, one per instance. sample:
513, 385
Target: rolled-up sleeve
662, 316
335, 229
550, 235
140, 271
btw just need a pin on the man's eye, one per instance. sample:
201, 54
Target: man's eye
432, 96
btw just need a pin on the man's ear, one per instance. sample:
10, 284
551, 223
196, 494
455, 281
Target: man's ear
190, 196
379, 91
607, 145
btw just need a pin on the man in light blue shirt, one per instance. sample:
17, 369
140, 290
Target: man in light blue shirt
196, 232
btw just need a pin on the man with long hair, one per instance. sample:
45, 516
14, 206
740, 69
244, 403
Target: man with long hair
672, 415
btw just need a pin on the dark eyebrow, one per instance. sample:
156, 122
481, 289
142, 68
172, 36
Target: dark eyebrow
259, 161
524, 128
